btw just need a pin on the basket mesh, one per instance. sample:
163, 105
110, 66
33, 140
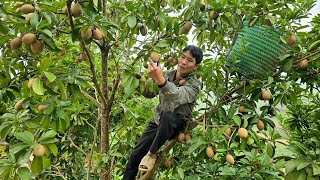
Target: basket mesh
256, 51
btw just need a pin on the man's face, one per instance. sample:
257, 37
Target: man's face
186, 63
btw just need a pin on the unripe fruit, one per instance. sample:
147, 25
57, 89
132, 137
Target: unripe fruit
142, 80
30, 83
86, 33
181, 137
292, 40
214, 15
187, 25
154, 56
72, 145
266, 95
97, 34
182, 82
116, 44
143, 30
228, 131
209, 152
303, 64
76, 10
39, 150
65, 10
18, 105
37, 47
41, 107
29, 38
145, 64
202, 5
188, 137
242, 109
27, 8
230, 159
16, 43
260, 125
28, 18
242, 133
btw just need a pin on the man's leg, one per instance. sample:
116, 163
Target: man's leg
140, 151
169, 126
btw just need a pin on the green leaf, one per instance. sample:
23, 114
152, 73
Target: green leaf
26, 137
288, 65
45, 162
53, 148
181, 173
34, 21
3, 28
45, 63
37, 165
302, 164
24, 173
51, 77
291, 165
237, 120
37, 86
18, 147
316, 169
270, 150
46, 32
132, 21
48, 135
253, 21
194, 147
48, 40
47, 16
302, 175
314, 44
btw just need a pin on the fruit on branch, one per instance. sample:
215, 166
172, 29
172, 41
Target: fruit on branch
116, 44
202, 5
228, 131
143, 30
30, 83
303, 63
242, 109
187, 25
18, 105
209, 152
97, 34
29, 38
260, 125
154, 56
142, 79
86, 33
37, 47
76, 9
28, 18
230, 159
16, 43
214, 15
39, 150
266, 95
27, 8
292, 39
181, 137
242, 133
41, 107
188, 137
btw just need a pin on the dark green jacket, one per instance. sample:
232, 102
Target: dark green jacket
177, 98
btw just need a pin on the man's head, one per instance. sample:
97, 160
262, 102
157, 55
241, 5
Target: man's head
189, 60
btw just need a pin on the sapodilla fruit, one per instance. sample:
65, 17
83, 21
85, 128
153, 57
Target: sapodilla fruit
97, 34
174, 61
116, 44
154, 56
188, 137
142, 79
37, 47
28, 18
181, 137
83, 56
242, 109
41, 107
143, 30
27, 8
267, 22
187, 25
260, 125
65, 10
214, 15
303, 63
16, 43
229, 159
18, 10
145, 64
18, 105
228, 131
30, 83
29, 38
18, 3
292, 39
76, 9
242, 133
209, 152
266, 95
202, 5
86, 33
39, 150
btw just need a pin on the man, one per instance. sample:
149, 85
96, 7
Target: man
176, 101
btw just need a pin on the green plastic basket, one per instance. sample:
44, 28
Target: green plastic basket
256, 51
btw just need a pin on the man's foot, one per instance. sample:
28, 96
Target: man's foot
147, 162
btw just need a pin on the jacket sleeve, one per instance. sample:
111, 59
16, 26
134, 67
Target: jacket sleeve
181, 95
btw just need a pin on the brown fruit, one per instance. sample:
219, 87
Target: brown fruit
18, 10
28, 18
260, 125
174, 61
30, 83
188, 137
228, 131
170, 59
29, 38
214, 15
16, 43
72, 145
145, 64
187, 25
242, 133
97, 34
183, 30
242, 109
76, 9
86, 33
267, 22
230, 159
303, 63
181, 137
142, 80
83, 56
78, 59
280, 41
41, 107
202, 5
37, 47
18, 3
63, 51
27, 8
39, 150
116, 44
209, 152
7, 45
154, 56
266, 95
18, 105
292, 39
65, 10
182, 82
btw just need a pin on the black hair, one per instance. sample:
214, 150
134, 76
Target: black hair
195, 51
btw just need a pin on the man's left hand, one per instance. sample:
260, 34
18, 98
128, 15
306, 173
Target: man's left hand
155, 72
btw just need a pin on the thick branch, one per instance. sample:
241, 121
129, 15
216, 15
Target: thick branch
114, 90
104, 72
96, 102
69, 14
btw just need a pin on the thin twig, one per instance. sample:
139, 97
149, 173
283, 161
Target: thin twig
96, 102
69, 138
